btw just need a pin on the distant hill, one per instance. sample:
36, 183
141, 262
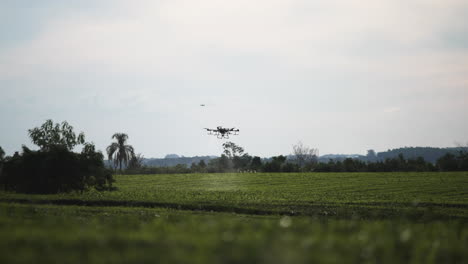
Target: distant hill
172, 160
173, 156
429, 154
169, 162
327, 157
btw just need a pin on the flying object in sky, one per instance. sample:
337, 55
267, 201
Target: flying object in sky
202, 105
222, 132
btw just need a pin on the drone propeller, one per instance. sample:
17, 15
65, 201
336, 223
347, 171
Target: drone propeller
209, 131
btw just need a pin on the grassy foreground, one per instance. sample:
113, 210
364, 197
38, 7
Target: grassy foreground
245, 218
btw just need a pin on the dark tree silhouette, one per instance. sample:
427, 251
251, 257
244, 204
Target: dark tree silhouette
119, 151
2, 154
55, 168
2, 158
448, 162
256, 163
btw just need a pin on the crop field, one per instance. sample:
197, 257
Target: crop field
244, 218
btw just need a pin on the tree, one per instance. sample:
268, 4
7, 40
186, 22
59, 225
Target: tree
55, 168
235, 157
94, 169
304, 155
224, 164
2, 158
276, 164
463, 160
55, 135
120, 152
232, 150
256, 163
136, 162
2, 154
448, 162
201, 166
242, 162
194, 167
221, 164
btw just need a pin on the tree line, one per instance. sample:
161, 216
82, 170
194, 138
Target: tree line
305, 159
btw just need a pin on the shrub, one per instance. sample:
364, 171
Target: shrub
55, 170
55, 167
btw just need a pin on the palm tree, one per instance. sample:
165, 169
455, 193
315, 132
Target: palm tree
119, 151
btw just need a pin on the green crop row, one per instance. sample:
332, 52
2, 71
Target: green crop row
74, 234
344, 195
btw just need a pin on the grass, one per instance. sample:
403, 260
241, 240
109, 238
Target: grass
345, 195
239, 218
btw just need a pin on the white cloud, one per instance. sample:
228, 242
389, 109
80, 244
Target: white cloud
180, 37
343, 58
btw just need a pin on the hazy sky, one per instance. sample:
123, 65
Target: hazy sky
342, 76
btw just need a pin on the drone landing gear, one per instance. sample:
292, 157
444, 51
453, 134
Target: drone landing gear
221, 136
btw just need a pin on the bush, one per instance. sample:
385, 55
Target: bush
55, 170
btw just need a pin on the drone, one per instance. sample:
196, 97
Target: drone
222, 132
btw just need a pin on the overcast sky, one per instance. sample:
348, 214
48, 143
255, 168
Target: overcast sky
341, 76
